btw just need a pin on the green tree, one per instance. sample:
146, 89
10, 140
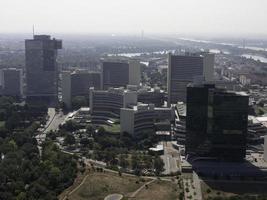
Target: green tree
158, 165
69, 139
78, 102
123, 162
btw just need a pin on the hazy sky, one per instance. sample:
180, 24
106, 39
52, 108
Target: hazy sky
237, 17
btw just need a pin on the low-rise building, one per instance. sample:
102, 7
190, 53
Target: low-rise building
158, 150
137, 119
145, 117
151, 95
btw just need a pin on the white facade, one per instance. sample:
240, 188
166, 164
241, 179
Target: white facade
137, 119
127, 120
129, 98
105, 105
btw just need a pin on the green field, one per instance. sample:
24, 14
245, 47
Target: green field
98, 185
115, 128
159, 190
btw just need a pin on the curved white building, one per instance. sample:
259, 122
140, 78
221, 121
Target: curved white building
105, 105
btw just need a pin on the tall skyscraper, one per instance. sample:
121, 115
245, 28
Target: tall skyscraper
183, 69
41, 69
121, 73
11, 82
216, 122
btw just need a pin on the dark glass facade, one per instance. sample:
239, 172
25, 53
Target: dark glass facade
115, 74
41, 69
216, 123
81, 83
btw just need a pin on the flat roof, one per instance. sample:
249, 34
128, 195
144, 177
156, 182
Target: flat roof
163, 133
159, 147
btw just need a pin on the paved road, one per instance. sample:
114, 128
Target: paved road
170, 158
53, 122
141, 188
55, 119
193, 185
75, 189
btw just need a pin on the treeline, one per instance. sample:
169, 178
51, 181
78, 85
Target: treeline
25, 172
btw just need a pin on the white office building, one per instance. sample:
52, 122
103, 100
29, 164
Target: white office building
105, 105
137, 119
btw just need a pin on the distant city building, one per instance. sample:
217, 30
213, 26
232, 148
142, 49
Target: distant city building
78, 83
151, 95
41, 69
256, 130
11, 82
228, 85
105, 105
121, 73
183, 69
244, 80
216, 122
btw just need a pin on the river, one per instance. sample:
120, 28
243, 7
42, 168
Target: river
255, 57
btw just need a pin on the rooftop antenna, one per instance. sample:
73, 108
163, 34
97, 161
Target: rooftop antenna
33, 30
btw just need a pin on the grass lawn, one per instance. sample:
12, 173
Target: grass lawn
98, 185
260, 110
159, 190
115, 128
